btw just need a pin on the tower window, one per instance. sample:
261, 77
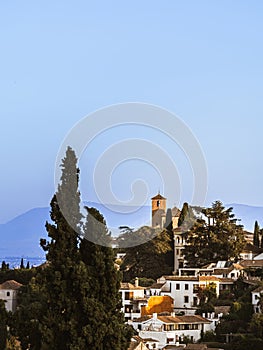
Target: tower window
158, 203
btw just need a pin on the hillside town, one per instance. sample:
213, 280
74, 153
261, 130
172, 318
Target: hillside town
184, 309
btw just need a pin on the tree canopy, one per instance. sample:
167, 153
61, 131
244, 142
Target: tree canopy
150, 259
216, 235
73, 302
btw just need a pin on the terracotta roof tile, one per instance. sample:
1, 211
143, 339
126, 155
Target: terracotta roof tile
258, 290
156, 286
158, 196
11, 284
181, 278
129, 286
209, 278
251, 263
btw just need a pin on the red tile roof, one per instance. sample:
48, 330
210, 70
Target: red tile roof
175, 319
129, 286
158, 196
11, 284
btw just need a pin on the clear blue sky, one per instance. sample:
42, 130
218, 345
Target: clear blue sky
61, 60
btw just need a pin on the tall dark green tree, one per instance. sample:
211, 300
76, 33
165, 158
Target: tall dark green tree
215, 236
183, 214
79, 285
256, 234
22, 266
104, 318
25, 325
4, 266
169, 220
3, 325
261, 237
65, 277
186, 218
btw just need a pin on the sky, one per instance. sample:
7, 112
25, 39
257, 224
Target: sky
61, 61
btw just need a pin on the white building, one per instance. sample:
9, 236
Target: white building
256, 294
171, 329
250, 251
221, 269
8, 293
185, 289
133, 299
259, 257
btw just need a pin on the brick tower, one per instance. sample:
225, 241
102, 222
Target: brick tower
158, 211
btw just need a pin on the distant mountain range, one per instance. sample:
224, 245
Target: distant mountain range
21, 235
248, 215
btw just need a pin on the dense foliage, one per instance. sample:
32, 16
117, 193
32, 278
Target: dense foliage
214, 236
151, 259
73, 302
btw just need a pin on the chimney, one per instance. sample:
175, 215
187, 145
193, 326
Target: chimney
155, 316
136, 282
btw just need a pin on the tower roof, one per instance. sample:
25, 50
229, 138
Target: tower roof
158, 196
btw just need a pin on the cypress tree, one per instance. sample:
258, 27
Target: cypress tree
4, 266
22, 266
3, 325
256, 234
261, 237
107, 329
80, 285
169, 220
186, 218
62, 277
183, 214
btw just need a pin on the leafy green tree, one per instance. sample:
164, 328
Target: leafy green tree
26, 320
256, 234
256, 325
3, 325
215, 236
27, 265
151, 259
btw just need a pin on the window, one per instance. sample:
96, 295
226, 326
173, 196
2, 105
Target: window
8, 294
186, 299
186, 286
128, 295
128, 308
177, 286
158, 203
196, 288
